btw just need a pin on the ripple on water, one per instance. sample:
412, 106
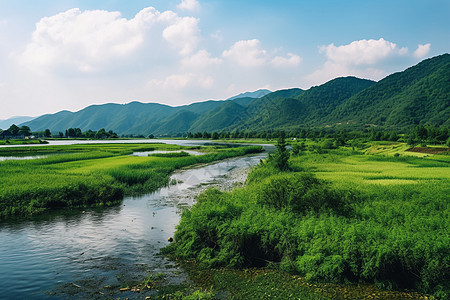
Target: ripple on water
101, 246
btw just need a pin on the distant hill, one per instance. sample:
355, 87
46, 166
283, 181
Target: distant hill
219, 118
418, 95
293, 107
256, 94
5, 124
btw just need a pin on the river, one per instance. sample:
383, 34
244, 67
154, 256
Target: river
76, 254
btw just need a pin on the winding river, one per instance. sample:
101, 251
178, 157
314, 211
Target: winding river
84, 254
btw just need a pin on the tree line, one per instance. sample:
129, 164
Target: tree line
416, 135
69, 133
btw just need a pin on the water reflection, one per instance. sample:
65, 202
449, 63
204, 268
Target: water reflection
79, 252
4, 158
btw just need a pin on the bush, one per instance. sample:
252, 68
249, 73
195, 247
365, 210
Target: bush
397, 237
301, 193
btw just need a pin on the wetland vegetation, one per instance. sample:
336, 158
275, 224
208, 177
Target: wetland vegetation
90, 175
373, 215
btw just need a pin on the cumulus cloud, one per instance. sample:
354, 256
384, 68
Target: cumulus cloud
86, 41
76, 56
182, 81
361, 58
292, 61
184, 34
362, 52
249, 53
422, 50
189, 5
200, 60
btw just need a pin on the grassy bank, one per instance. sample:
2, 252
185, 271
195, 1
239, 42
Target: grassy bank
22, 142
336, 216
86, 175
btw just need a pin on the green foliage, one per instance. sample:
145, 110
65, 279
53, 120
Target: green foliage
395, 235
281, 156
300, 193
170, 154
88, 175
418, 95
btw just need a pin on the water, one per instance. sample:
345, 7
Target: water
3, 158
75, 254
141, 141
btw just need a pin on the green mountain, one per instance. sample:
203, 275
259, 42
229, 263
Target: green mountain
418, 95
219, 118
5, 124
290, 108
177, 123
256, 94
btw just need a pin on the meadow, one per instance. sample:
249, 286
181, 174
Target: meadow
90, 175
371, 215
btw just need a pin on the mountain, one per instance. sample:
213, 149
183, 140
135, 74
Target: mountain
289, 108
177, 123
256, 94
5, 124
219, 118
418, 95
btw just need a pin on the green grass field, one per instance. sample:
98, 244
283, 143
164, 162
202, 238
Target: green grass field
337, 216
85, 175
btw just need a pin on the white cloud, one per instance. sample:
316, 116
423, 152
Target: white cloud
189, 5
200, 60
247, 53
182, 81
362, 52
363, 58
217, 36
422, 50
77, 58
90, 40
83, 39
184, 34
280, 62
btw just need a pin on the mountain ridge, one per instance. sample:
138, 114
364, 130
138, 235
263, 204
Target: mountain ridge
418, 95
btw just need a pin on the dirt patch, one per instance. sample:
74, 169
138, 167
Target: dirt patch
435, 150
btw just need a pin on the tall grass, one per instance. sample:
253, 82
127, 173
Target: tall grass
89, 175
342, 229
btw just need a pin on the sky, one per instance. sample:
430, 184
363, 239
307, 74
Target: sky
69, 54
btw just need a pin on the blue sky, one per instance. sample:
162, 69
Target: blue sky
68, 54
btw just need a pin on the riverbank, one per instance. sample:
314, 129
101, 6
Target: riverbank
81, 253
23, 142
90, 175
336, 216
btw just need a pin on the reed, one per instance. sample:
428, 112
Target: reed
89, 175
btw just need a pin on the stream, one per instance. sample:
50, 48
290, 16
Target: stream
86, 254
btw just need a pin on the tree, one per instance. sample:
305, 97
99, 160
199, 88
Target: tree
25, 130
295, 149
282, 155
14, 129
47, 133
